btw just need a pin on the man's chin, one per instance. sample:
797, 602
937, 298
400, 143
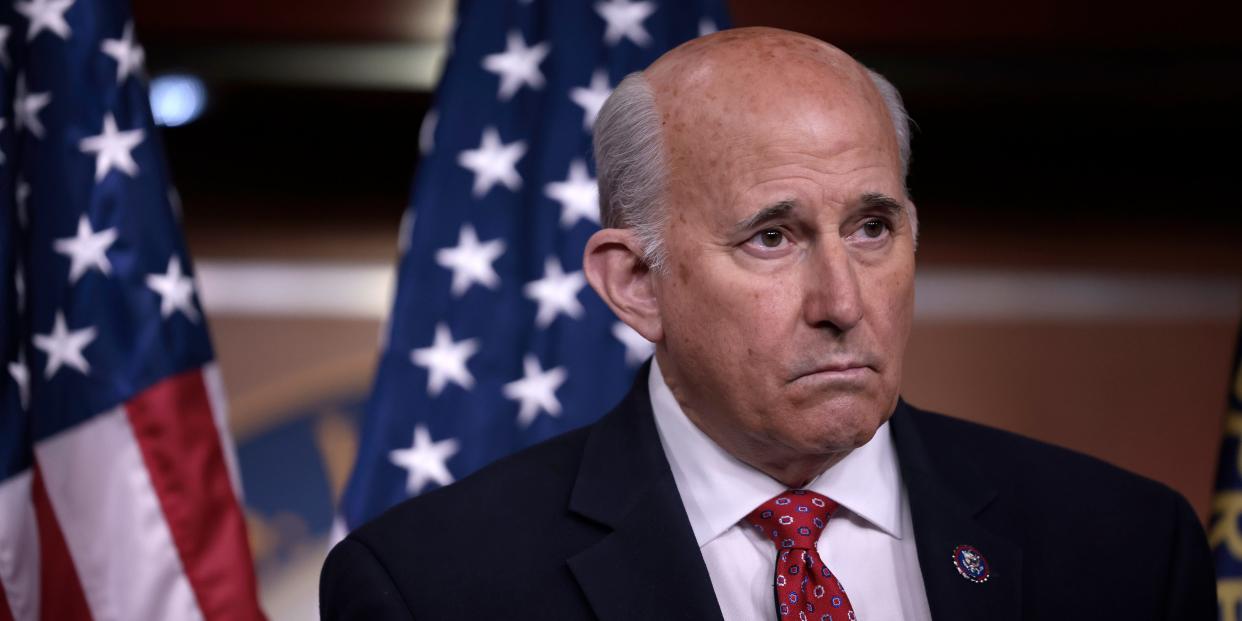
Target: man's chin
804, 456
843, 421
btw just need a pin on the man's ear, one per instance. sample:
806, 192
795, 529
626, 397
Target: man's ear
613, 262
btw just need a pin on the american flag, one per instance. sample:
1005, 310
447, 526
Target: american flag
118, 488
1225, 529
495, 341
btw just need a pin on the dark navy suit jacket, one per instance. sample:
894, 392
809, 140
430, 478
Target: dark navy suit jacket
590, 525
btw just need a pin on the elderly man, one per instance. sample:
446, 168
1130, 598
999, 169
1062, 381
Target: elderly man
763, 466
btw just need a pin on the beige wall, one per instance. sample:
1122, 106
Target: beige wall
1148, 396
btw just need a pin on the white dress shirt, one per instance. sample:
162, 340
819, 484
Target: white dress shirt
868, 544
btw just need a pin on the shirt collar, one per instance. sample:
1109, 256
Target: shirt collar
718, 489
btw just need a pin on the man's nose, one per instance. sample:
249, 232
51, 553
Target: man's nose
831, 296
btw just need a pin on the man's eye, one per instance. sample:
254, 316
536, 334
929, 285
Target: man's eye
771, 238
874, 228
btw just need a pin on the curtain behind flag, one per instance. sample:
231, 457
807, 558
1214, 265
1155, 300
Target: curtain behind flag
495, 340
1225, 534
118, 490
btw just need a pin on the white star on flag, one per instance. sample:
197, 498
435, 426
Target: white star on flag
45, 15
493, 162
536, 390
21, 375
578, 195
637, 347
625, 20
592, 97
556, 293
471, 261
26, 107
87, 249
707, 26
112, 148
425, 461
128, 54
175, 290
517, 65
64, 347
445, 360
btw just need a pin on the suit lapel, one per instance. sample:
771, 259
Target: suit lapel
649, 566
947, 498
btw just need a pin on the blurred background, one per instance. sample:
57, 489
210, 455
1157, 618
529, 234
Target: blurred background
1075, 166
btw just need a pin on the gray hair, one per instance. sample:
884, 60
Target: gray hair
630, 166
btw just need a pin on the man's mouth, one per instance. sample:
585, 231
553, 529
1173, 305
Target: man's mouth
844, 370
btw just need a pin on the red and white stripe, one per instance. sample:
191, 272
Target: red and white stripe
133, 514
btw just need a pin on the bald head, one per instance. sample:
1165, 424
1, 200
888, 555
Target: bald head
666, 121
757, 62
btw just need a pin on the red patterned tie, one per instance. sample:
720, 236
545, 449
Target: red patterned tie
805, 589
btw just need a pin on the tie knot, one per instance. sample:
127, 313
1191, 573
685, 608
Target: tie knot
793, 519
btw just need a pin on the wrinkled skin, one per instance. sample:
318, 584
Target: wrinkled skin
782, 313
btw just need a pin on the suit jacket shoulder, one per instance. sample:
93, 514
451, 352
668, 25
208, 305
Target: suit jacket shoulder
506, 519
1042, 472
1071, 529
581, 526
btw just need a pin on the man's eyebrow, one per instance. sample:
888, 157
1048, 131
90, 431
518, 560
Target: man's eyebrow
765, 215
882, 202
